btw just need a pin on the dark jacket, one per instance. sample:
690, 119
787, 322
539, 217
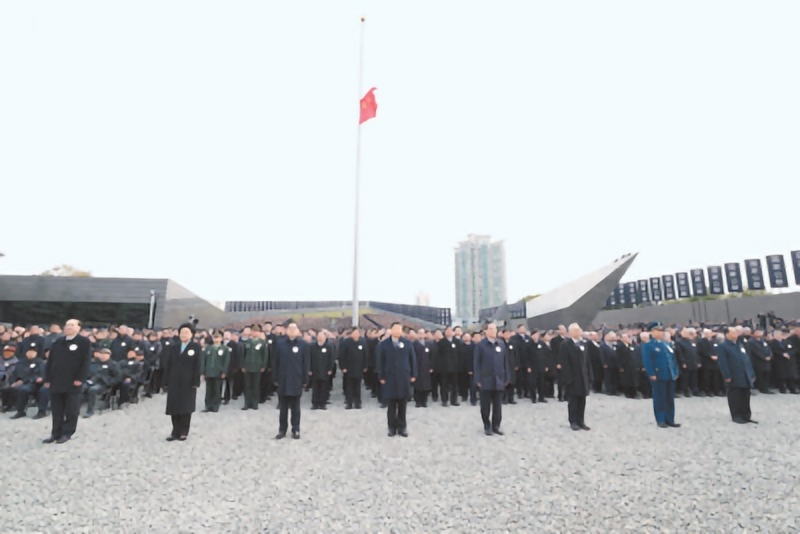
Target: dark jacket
7, 366
575, 372
353, 357
35, 342
216, 361
291, 366
491, 365
707, 348
448, 355
323, 360
786, 368
104, 374
153, 355
29, 371
68, 362
120, 347
734, 364
628, 365
466, 352
686, 354
182, 378
396, 365
423, 352
759, 351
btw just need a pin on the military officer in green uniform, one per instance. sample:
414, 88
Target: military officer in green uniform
254, 362
213, 366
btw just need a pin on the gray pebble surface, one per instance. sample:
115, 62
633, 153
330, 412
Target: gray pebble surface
345, 475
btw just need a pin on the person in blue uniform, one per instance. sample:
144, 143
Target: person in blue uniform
658, 359
738, 374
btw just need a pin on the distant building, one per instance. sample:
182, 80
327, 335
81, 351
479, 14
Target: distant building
423, 299
480, 276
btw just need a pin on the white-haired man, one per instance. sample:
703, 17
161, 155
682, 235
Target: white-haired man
575, 373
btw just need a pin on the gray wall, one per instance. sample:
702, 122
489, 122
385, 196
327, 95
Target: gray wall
786, 306
174, 303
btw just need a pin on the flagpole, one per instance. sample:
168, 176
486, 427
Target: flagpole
358, 178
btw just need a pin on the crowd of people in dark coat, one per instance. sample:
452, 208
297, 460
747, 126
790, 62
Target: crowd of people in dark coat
394, 366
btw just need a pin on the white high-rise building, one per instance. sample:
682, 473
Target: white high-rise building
480, 276
423, 299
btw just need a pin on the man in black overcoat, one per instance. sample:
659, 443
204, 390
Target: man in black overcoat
422, 386
322, 362
448, 355
67, 368
353, 363
291, 371
492, 370
182, 378
575, 372
396, 365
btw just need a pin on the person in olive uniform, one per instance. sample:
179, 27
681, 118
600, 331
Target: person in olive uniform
254, 362
213, 366
322, 364
182, 378
291, 371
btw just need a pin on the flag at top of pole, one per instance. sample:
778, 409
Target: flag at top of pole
369, 107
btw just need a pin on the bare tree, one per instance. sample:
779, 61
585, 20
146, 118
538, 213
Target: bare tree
67, 270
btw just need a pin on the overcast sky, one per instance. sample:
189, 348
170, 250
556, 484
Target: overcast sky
213, 142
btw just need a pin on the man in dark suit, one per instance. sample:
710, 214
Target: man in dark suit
492, 370
291, 371
448, 360
396, 366
575, 373
737, 371
66, 372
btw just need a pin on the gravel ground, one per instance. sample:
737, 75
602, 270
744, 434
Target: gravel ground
346, 475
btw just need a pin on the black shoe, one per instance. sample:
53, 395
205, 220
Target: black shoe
40, 415
562, 400
295, 435
51, 439
769, 392
348, 407
403, 433
795, 392
584, 427
358, 406
701, 394
444, 404
688, 394
663, 425
245, 408
171, 438
314, 407
383, 405
574, 426
182, 438
455, 404
392, 432
62, 440
543, 400
740, 421
323, 407
674, 425
474, 403
224, 403
18, 415
205, 410
497, 431
254, 407
751, 421
487, 431
88, 414
512, 401
280, 435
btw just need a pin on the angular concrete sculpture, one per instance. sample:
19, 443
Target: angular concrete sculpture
576, 302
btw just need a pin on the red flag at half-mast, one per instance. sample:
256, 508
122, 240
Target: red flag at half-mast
369, 107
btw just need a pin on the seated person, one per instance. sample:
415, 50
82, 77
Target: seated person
28, 380
104, 376
7, 365
131, 371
